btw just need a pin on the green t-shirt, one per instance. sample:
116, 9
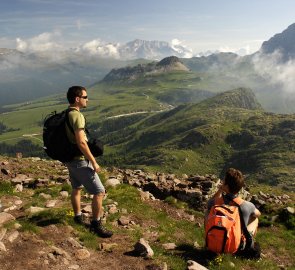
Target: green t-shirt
77, 121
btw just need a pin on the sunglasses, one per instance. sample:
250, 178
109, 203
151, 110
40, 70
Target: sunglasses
84, 97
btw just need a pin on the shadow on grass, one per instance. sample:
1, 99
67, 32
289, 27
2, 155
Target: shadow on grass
199, 255
186, 252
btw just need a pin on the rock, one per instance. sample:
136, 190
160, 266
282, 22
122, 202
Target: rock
290, 210
18, 202
51, 203
60, 252
2, 247
113, 209
45, 196
34, 209
123, 221
82, 254
196, 244
20, 178
13, 236
112, 182
2, 233
232, 265
10, 208
74, 242
169, 246
5, 217
192, 265
64, 194
5, 171
142, 248
87, 209
108, 247
74, 266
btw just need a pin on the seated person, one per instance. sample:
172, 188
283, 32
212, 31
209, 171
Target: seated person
231, 185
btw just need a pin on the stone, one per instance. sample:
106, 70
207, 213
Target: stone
58, 251
13, 236
142, 248
5, 217
192, 265
169, 246
112, 182
18, 202
290, 210
2, 247
74, 266
45, 196
74, 242
5, 171
108, 247
113, 209
82, 254
87, 209
123, 221
51, 203
34, 210
64, 194
19, 179
2, 233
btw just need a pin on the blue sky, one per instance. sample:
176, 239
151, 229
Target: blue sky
199, 24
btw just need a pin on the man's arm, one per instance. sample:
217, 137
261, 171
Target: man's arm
83, 146
256, 213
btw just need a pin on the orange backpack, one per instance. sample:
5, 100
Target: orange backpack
223, 227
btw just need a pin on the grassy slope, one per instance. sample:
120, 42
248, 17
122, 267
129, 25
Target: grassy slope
194, 137
154, 220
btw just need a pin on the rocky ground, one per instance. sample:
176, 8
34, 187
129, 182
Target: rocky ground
57, 244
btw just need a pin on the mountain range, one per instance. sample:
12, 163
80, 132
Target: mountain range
27, 76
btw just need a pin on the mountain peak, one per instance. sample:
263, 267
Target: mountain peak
283, 42
240, 98
171, 63
167, 64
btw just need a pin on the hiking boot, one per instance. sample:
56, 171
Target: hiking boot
79, 220
97, 228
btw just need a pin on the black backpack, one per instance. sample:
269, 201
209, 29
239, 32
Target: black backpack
56, 142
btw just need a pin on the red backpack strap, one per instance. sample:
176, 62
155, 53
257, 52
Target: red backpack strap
238, 200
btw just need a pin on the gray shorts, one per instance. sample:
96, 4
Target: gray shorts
82, 174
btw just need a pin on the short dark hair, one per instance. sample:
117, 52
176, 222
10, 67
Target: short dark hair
234, 179
73, 92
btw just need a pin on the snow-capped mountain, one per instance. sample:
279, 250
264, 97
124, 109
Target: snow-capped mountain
154, 50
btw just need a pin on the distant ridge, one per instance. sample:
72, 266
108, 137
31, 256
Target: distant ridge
240, 98
283, 42
167, 64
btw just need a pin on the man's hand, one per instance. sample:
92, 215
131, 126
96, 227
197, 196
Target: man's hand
96, 167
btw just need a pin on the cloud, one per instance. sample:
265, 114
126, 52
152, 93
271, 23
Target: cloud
100, 48
277, 72
181, 48
41, 43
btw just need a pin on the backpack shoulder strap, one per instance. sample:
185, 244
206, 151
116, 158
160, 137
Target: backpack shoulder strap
68, 121
249, 239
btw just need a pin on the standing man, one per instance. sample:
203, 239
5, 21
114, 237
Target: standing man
83, 168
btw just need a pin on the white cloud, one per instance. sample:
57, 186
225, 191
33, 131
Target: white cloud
181, 48
240, 51
98, 47
41, 43
277, 72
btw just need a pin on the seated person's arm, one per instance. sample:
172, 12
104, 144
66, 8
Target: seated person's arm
256, 213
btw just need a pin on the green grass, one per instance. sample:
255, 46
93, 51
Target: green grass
6, 188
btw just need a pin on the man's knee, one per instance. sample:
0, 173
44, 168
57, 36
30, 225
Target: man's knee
76, 191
